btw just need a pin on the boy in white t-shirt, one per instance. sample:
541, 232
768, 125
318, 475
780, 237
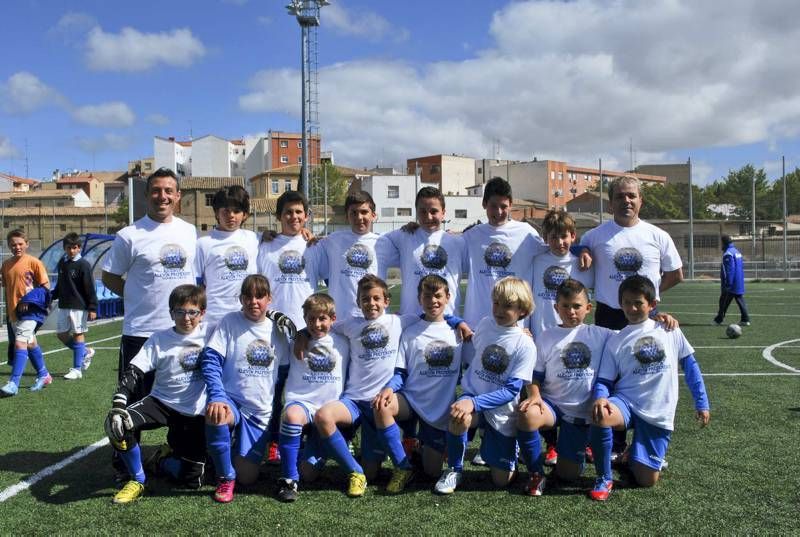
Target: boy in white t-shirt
177, 399
637, 387
240, 368
424, 385
504, 358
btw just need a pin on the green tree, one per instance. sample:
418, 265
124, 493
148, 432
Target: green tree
121, 215
337, 185
792, 193
737, 189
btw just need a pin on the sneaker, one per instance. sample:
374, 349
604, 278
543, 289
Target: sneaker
551, 456
744, 323
448, 482
602, 489
477, 460
152, 464
87, 358
73, 374
131, 492
535, 485
589, 454
41, 382
664, 465
287, 490
274, 454
356, 485
224, 492
716, 322
9, 390
400, 478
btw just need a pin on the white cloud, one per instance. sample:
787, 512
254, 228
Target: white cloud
157, 119
264, 21
107, 142
113, 114
7, 149
72, 27
131, 50
364, 24
24, 93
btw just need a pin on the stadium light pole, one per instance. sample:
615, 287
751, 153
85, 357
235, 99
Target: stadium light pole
600, 169
691, 225
785, 218
753, 200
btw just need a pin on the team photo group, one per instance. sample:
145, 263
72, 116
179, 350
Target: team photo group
282, 348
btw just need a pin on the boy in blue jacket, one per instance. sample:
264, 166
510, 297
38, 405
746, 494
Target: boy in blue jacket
31, 312
731, 277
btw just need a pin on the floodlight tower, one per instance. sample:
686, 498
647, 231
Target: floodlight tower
307, 14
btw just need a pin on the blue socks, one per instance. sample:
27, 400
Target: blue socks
78, 351
20, 361
218, 442
601, 440
530, 446
456, 448
392, 438
337, 447
133, 462
37, 359
289, 446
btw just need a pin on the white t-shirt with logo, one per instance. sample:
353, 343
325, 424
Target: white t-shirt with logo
155, 258
569, 358
175, 358
619, 252
319, 377
419, 254
494, 253
500, 353
224, 259
646, 358
282, 261
252, 352
342, 258
432, 356
550, 271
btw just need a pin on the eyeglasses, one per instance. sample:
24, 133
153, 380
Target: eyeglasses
185, 313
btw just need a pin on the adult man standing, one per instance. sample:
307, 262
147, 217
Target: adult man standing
731, 277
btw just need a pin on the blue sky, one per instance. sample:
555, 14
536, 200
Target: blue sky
88, 84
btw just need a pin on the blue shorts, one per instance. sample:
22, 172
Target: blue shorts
361, 414
498, 450
430, 436
250, 436
650, 443
572, 438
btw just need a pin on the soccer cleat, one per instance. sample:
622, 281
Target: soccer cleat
448, 483
356, 485
9, 389
274, 454
535, 485
716, 322
744, 323
224, 492
477, 460
73, 374
131, 492
287, 490
551, 456
602, 489
87, 358
41, 382
400, 478
152, 464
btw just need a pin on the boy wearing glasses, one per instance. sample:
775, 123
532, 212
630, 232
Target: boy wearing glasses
177, 400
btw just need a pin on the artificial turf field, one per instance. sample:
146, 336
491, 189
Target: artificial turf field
739, 476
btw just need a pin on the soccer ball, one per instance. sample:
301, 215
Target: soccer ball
733, 331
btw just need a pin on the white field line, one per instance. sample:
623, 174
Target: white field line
712, 313
750, 374
732, 347
61, 349
767, 354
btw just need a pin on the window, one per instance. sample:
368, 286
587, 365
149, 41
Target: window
284, 159
552, 175
148, 166
560, 176
387, 212
209, 200
403, 211
63, 227
60, 204
435, 168
204, 227
300, 159
287, 185
284, 143
6, 224
480, 170
300, 144
275, 186
461, 213
393, 191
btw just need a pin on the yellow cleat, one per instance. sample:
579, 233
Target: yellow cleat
131, 492
400, 478
356, 485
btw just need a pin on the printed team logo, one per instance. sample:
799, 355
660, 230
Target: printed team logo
291, 262
628, 260
374, 336
236, 258
259, 353
576, 355
73, 273
320, 359
554, 276
172, 256
495, 359
358, 256
438, 354
433, 257
648, 350
497, 255
190, 358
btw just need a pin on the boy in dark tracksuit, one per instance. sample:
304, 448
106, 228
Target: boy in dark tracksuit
731, 276
77, 302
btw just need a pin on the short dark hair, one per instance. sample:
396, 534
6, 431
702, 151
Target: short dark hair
18, 233
70, 240
370, 281
557, 221
163, 172
429, 192
357, 198
233, 197
432, 283
187, 293
497, 186
570, 288
638, 285
290, 196
256, 285
726, 241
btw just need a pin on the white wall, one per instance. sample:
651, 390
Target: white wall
386, 207
211, 157
462, 211
255, 158
528, 179
169, 154
457, 174
6, 185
